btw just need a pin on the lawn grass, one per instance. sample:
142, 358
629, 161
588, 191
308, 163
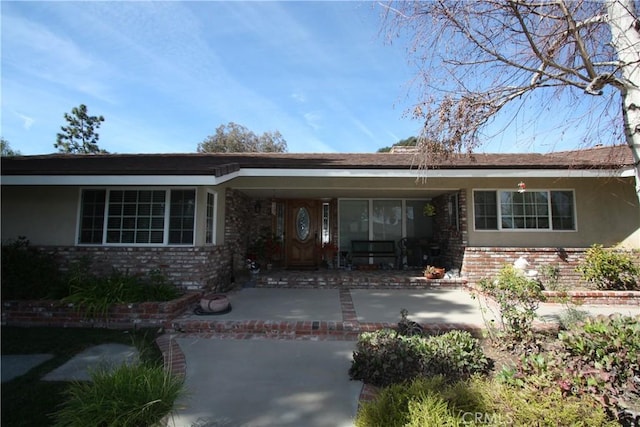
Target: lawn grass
28, 401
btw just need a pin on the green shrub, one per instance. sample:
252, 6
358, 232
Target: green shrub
529, 406
571, 317
434, 402
518, 298
456, 355
549, 276
131, 395
609, 269
422, 402
28, 273
94, 295
385, 357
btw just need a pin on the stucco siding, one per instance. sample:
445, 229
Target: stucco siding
606, 213
44, 215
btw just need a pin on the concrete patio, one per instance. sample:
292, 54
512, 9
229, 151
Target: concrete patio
281, 356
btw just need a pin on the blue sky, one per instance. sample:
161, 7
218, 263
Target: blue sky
165, 75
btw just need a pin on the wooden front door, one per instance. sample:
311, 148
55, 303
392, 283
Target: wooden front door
303, 234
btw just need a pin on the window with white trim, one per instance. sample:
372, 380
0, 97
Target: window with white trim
137, 217
529, 210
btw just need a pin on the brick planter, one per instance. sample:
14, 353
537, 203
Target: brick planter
121, 316
594, 297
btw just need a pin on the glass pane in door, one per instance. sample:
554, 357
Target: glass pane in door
354, 222
387, 220
419, 225
302, 224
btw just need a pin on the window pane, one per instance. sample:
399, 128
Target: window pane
145, 197
142, 236
92, 216
209, 226
419, 225
562, 210
113, 237
354, 222
181, 217
144, 209
387, 220
528, 210
131, 221
485, 213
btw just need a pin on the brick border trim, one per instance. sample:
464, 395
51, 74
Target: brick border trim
173, 358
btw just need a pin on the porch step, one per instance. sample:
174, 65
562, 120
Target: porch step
383, 279
318, 329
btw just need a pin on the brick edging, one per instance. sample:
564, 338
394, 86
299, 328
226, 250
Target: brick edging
613, 298
595, 297
172, 355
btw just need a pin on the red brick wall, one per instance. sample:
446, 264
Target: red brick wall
189, 268
452, 240
485, 262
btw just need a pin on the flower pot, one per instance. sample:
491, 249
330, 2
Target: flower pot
437, 273
213, 303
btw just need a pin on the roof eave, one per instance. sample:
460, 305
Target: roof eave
210, 180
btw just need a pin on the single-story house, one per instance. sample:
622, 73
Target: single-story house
199, 216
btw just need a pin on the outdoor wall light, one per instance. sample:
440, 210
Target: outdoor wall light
257, 207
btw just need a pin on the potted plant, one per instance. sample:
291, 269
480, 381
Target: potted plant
266, 249
214, 303
433, 272
329, 252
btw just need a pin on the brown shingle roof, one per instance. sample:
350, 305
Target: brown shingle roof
221, 164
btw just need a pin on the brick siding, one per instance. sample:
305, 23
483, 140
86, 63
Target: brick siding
120, 316
486, 262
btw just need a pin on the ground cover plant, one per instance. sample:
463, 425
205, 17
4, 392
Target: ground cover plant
598, 358
476, 401
28, 401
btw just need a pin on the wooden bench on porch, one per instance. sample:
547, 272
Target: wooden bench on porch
374, 249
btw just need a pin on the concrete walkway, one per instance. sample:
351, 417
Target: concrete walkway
281, 356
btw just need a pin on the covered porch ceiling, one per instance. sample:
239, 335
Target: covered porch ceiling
327, 188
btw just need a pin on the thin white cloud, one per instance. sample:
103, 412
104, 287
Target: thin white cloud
32, 50
299, 96
313, 119
27, 121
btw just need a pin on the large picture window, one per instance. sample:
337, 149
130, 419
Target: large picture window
529, 210
137, 217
